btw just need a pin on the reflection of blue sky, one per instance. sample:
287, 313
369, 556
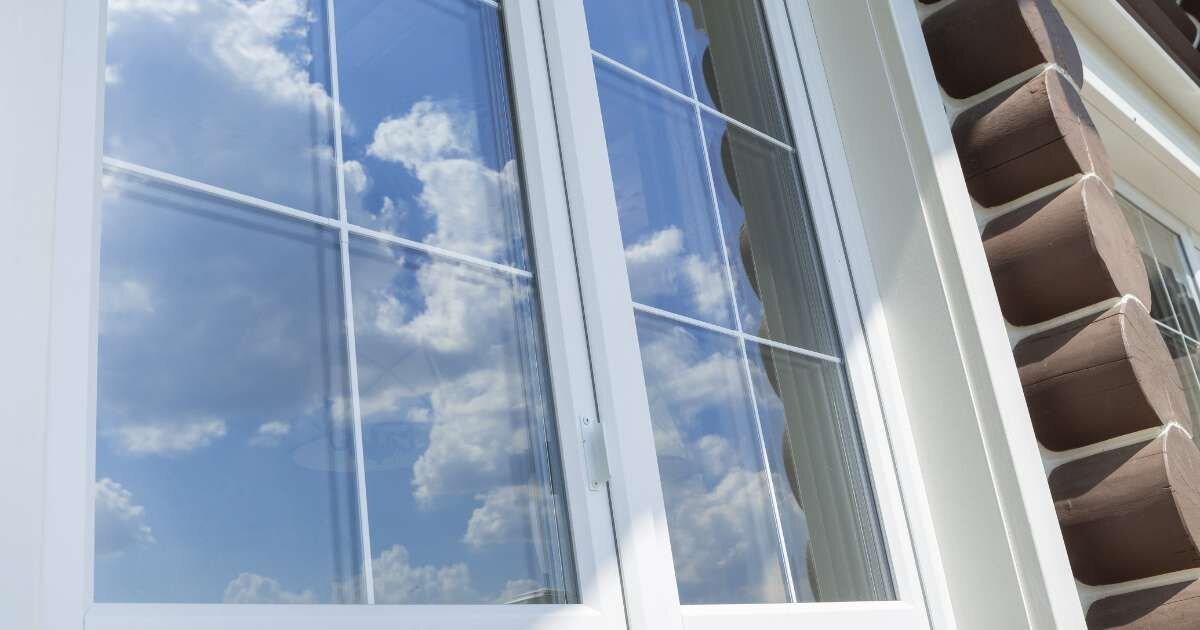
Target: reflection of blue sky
220, 359
718, 506
668, 226
641, 34
225, 458
204, 89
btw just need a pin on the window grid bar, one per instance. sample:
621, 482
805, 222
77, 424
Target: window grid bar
715, 208
360, 467
303, 215
672, 92
691, 321
1175, 331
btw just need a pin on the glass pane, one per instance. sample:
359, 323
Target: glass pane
458, 434
719, 511
1176, 276
429, 148
204, 89
672, 246
224, 463
1160, 307
769, 239
731, 62
821, 483
640, 34
1186, 353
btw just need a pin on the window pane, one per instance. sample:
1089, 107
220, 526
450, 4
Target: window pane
458, 434
668, 225
640, 34
723, 528
672, 160
1175, 275
1160, 307
204, 89
224, 460
1186, 353
429, 148
731, 62
836, 546
769, 239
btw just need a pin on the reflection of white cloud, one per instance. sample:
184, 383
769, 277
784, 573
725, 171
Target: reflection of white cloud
397, 581
465, 197
112, 74
167, 438
689, 378
471, 440
503, 517
127, 297
658, 266
120, 523
356, 177
162, 9
716, 454
246, 43
425, 135
251, 588
716, 534
271, 433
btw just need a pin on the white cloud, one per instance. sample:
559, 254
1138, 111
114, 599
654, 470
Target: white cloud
426, 134
472, 438
355, 176
271, 433
466, 198
112, 74
246, 43
504, 516
126, 297
397, 581
659, 266
716, 534
168, 438
251, 588
120, 523
162, 9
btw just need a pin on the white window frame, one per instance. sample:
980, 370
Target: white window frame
560, 132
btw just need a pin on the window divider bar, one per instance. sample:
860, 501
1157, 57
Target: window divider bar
360, 467
684, 319
672, 92
337, 224
731, 286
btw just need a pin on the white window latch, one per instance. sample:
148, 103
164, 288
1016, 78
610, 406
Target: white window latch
595, 452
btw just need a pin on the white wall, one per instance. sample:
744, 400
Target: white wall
30, 67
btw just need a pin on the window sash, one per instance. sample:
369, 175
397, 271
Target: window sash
638, 512
565, 134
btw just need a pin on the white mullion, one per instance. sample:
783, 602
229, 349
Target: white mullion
672, 92
638, 508
360, 467
786, 562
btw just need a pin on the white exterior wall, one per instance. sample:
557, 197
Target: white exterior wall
30, 69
